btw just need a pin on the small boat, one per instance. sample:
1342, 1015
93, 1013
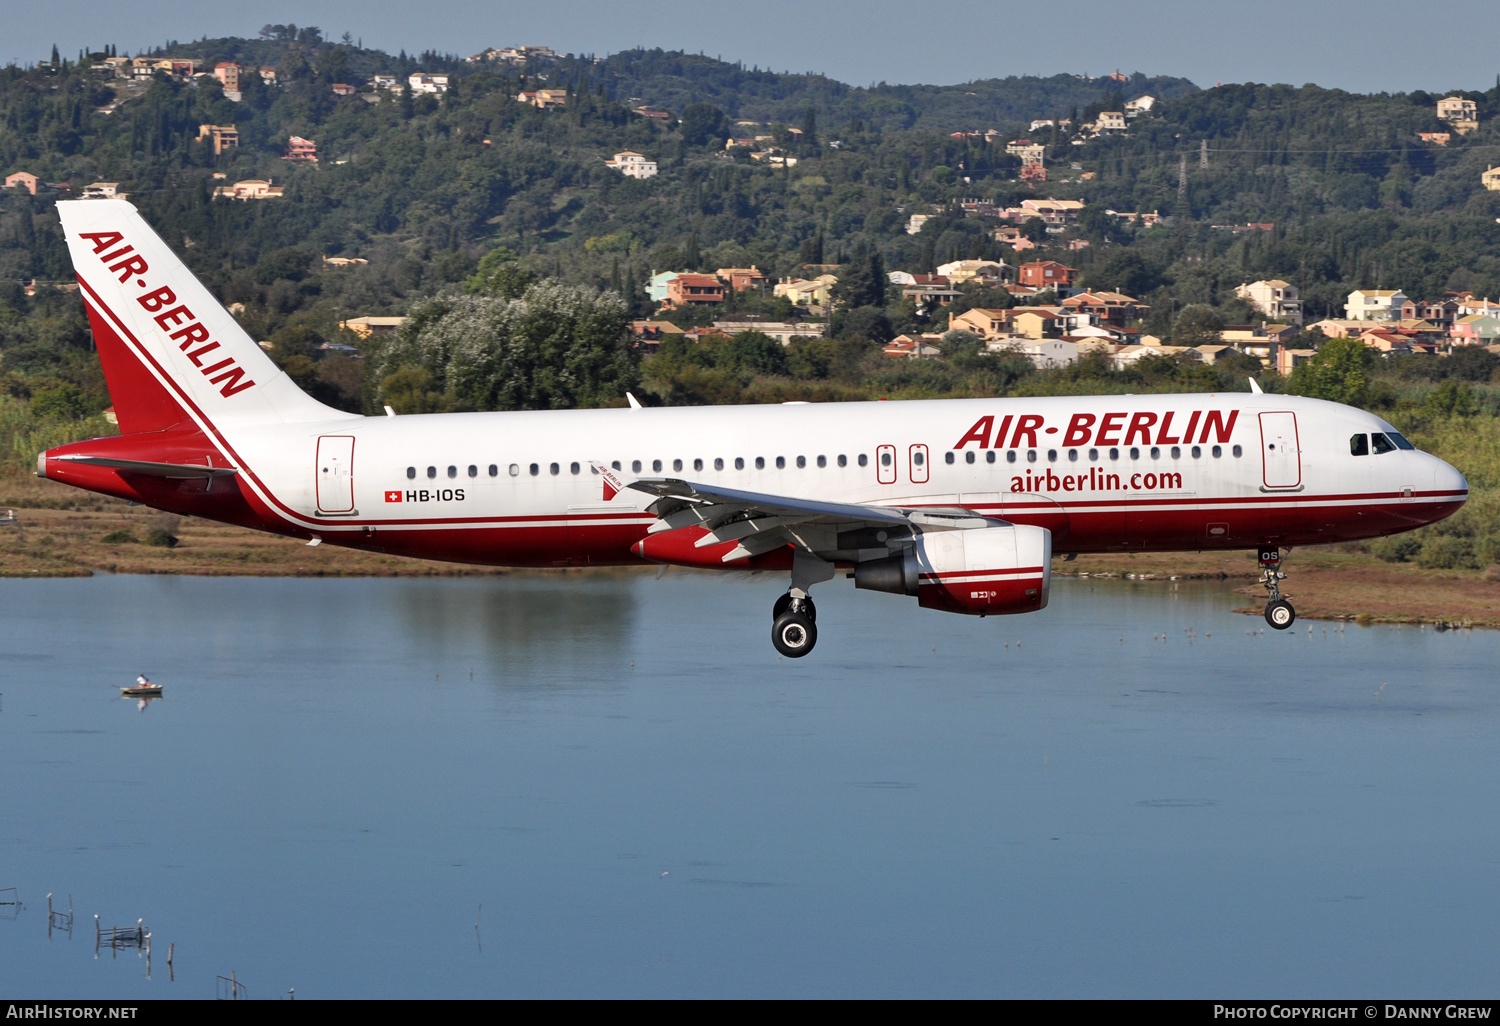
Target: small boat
142, 687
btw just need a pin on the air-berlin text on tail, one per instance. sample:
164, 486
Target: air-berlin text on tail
180, 323
1139, 428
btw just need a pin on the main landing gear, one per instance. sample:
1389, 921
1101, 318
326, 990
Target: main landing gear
794, 626
1279, 612
794, 618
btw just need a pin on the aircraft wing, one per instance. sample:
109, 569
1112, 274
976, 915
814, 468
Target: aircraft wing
761, 522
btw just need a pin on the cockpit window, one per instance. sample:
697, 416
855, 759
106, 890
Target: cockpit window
1359, 445
1382, 443
1400, 440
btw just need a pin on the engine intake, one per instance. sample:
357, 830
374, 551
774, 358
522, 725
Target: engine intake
988, 570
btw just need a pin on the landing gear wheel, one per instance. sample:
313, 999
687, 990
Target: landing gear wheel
1280, 614
785, 602
794, 634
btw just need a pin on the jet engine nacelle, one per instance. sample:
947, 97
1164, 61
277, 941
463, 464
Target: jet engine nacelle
1003, 569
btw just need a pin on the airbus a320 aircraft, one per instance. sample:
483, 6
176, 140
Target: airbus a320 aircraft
961, 503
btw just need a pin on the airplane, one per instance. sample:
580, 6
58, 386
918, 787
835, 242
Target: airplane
960, 503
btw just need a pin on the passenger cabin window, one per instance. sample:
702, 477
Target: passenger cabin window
573, 468
718, 463
739, 463
656, 465
1382, 443
473, 470
494, 470
432, 471
885, 459
863, 459
411, 472
1359, 445
554, 469
452, 471
989, 457
760, 463
948, 457
515, 469
535, 469
676, 464
843, 460
1010, 456
801, 462
781, 463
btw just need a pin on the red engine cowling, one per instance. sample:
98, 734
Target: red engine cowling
987, 570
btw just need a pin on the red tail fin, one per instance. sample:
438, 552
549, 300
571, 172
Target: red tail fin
142, 403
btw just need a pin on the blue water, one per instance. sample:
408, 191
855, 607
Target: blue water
1132, 793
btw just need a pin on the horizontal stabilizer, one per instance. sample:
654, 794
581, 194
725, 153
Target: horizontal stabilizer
176, 471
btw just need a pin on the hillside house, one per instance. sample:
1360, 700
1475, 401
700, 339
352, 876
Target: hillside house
915, 222
102, 190
781, 331
656, 285
419, 82
1462, 114
23, 180
651, 333
805, 292
904, 347
369, 327
1435, 138
741, 278
228, 75
1111, 122
342, 89
1029, 152
1375, 305
1114, 308
632, 164
1140, 105
298, 148
1288, 360
694, 290
1275, 298
987, 324
544, 99
1475, 330
1442, 313
1047, 274
959, 271
1491, 179
223, 137
251, 189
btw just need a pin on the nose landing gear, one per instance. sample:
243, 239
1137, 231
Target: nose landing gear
1279, 612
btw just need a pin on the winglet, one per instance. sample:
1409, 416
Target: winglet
1255, 387
635, 404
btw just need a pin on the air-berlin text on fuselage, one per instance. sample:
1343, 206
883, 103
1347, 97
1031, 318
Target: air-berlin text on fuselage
180, 323
1139, 428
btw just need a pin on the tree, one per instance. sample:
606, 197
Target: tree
1035, 229
702, 123
557, 347
1198, 325
862, 282
1338, 373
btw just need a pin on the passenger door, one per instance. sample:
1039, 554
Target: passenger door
335, 474
1280, 451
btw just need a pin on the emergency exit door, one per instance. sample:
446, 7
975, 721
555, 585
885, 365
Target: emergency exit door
335, 474
1280, 452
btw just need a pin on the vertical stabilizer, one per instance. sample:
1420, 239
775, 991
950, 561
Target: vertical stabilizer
169, 349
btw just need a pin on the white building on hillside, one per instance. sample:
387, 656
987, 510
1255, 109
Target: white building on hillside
632, 164
1375, 305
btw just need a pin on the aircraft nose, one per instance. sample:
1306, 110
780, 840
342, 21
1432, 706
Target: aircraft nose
1447, 478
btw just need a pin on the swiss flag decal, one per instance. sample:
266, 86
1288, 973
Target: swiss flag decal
392, 496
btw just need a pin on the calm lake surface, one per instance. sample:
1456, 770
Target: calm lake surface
646, 801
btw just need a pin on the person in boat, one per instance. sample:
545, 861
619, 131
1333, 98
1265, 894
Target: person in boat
142, 682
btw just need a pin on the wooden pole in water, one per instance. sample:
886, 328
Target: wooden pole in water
170, 948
